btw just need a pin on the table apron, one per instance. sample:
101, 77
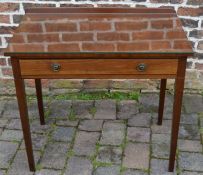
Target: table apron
99, 68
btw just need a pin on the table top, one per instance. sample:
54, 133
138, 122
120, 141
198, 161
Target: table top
90, 31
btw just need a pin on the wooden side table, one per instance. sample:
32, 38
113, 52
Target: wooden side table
101, 43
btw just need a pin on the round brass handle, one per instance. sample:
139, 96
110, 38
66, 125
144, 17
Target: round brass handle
55, 67
141, 67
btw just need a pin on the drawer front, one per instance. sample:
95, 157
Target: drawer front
98, 67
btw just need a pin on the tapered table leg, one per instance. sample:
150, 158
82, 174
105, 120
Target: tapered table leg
21, 98
40, 100
179, 87
161, 101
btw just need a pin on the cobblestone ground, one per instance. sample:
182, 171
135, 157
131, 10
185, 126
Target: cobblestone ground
102, 137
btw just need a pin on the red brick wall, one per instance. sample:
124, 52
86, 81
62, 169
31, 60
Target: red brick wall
190, 11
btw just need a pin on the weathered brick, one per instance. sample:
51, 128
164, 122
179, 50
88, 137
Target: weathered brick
77, 37
167, 1
114, 5
147, 35
43, 38
199, 66
200, 45
133, 46
17, 18
189, 23
159, 45
76, 5
161, 24
110, 36
179, 44
27, 27
24, 48
196, 34
195, 2
17, 39
60, 27
126, 26
187, 11
175, 35
8, 6
98, 26
4, 19
98, 47
62, 47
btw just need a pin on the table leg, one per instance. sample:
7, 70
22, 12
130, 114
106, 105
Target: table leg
161, 101
40, 100
21, 98
178, 94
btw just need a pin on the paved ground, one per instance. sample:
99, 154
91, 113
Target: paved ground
102, 137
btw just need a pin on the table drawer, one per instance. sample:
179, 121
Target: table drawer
98, 67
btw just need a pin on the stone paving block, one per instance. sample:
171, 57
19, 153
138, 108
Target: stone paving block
59, 108
161, 138
3, 122
168, 106
55, 155
141, 119
190, 173
36, 127
64, 134
11, 135
189, 132
149, 102
110, 170
136, 155
82, 108
161, 150
127, 109
165, 128
134, 172
2, 172
105, 109
33, 109
193, 103
20, 164
112, 133
137, 134
109, 154
85, 143
2, 105
91, 125
166, 116
79, 166
191, 119
38, 142
191, 161
67, 122
7, 152
48, 172
190, 145
11, 110
14, 124
160, 166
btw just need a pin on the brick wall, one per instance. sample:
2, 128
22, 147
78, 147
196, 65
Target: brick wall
190, 11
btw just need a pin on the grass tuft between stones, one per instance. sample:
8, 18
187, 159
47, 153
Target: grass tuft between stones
133, 95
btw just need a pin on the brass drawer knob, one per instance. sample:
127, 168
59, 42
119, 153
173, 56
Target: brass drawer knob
141, 67
55, 67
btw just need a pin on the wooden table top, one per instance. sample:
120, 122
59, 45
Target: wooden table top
90, 31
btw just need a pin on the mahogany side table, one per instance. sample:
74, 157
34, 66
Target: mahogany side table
101, 43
